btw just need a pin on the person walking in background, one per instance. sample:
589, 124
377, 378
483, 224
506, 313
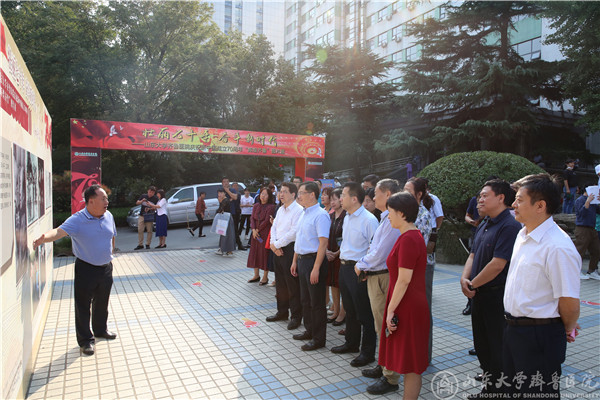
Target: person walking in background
541, 298
570, 186
92, 232
373, 264
586, 237
161, 219
404, 350
146, 217
246, 203
260, 222
337, 215
227, 241
200, 212
311, 266
282, 240
484, 277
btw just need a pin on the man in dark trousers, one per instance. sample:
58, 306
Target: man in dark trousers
484, 277
358, 230
233, 196
283, 238
92, 231
310, 265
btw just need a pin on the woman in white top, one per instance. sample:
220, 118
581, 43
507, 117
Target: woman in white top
246, 204
161, 219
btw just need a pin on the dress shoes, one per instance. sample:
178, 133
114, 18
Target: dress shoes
88, 349
338, 323
107, 335
294, 323
375, 373
467, 310
382, 386
139, 247
277, 317
361, 361
311, 345
303, 336
472, 352
345, 348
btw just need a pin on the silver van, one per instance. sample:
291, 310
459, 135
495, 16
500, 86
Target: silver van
181, 203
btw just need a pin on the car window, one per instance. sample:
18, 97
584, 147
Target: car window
210, 190
186, 194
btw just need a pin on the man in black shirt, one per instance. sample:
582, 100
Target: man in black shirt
146, 223
570, 182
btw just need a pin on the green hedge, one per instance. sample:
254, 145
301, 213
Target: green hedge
119, 213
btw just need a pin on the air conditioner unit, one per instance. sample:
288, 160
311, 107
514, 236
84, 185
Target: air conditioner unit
379, 19
383, 44
389, 17
398, 38
329, 19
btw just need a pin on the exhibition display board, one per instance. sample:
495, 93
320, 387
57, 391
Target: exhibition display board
26, 209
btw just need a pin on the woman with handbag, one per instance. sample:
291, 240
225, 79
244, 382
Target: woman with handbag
260, 222
227, 241
161, 219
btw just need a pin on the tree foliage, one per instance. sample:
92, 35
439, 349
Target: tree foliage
468, 83
578, 37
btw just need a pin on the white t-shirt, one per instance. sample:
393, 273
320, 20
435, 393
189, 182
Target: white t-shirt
162, 203
246, 201
545, 265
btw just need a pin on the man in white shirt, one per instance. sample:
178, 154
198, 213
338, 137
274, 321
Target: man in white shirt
283, 237
357, 232
374, 262
541, 298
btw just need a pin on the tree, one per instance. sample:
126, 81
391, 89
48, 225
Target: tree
469, 85
578, 37
350, 86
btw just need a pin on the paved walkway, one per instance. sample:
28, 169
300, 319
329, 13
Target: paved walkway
190, 326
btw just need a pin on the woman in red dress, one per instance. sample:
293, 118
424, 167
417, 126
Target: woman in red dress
260, 222
403, 348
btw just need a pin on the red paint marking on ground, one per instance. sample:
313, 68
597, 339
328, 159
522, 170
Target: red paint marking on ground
248, 323
197, 283
201, 260
590, 303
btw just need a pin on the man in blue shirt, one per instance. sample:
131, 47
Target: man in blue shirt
586, 237
374, 262
357, 232
92, 231
484, 277
310, 265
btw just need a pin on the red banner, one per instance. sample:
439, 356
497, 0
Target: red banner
85, 172
14, 104
153, 137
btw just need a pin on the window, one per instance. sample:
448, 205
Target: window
398, 32
382, 39
185, 194
412, 53
529, 50
397, 56
210, 190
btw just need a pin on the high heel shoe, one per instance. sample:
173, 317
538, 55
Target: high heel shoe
338, 323
332, 319
263, 283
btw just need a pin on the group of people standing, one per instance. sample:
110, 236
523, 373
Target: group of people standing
153, 209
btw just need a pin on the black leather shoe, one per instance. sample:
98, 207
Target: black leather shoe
88, 349
139, 247
467, 310
345, 348
277, 317
338, 323
382, 386
312, 346
147, 246
294, 323
107, 335
479, 377
472, 352
375, 373
302, 336
361, 361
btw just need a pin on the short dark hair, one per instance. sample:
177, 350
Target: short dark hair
153, 188
337, 192
246, 189
223, 178
202, 193
541, 187
355, 190
370, 193
311, 186
270, 199
405, 203
291, 187
327, 191
161, 192
500, 186
220, 190
389, 185
297, 177
90, 192
372, 179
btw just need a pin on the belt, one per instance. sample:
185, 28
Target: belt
308, 255
381, 271
525, 321
348, 262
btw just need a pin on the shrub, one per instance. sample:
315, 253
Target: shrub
458, 177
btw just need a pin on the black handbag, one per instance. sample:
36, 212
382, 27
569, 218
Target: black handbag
149, 217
